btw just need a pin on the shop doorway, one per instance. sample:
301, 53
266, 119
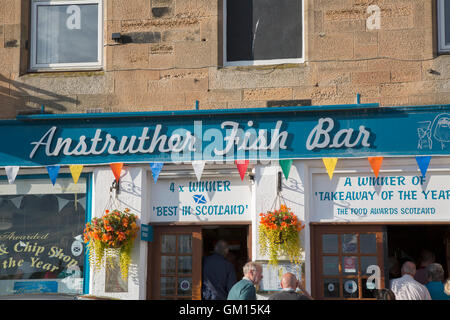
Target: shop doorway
176, 253
237, 238
406, 242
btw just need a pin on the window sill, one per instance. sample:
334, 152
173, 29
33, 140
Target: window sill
64, 73
267, 66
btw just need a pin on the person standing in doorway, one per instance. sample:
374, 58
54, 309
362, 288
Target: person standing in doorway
218, 274
426, 258
406, 288
435, 285
245, 289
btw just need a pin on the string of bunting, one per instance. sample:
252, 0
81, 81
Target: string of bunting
330, 164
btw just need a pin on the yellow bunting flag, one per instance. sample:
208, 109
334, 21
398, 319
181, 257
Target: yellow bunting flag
330, 164
75, 170
375, 163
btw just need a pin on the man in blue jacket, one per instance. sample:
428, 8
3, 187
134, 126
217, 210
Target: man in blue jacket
218, 274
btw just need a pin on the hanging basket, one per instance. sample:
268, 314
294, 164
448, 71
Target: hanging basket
113, 233
279, 235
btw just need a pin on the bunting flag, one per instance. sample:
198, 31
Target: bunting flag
375, 163
330, 165
75, 170
62, 203
53, 173
116, 169
156, 169
198, 166
423, 162
11, 173
285, 167
242, 167
17, 201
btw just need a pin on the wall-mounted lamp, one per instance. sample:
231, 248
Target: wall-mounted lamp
115, 186
117, 37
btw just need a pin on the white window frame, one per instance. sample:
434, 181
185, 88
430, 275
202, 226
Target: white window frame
441, 27
260, 62
65, 66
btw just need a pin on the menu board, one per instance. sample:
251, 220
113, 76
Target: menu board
272, 275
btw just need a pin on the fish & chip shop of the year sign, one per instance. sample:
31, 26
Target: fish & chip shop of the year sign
211, 199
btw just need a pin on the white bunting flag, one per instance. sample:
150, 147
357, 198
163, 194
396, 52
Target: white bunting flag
198, 166
11, 173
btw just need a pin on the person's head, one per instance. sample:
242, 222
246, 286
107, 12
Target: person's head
447, 286
385, 294
289, 281
426, 257
408, 268
221, 247
253, 271
435, 272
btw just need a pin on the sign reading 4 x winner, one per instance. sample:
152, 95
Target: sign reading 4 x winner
215, 199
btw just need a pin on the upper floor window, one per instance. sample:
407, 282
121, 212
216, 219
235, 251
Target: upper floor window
66, 34
444, 25
259, 32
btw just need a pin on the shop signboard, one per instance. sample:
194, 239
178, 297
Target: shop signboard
210, 199
404, 196
223, 135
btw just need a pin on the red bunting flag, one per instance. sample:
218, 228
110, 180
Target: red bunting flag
242, 167
375, 163
116, 169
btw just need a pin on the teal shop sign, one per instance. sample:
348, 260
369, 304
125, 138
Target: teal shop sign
267, 133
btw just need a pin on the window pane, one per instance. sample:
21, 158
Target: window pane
167, 286
41, 240
368, 243
168, 243
264, 29
368, 289
350, 288
67, 33
331, 288
447, 21
330, 243
330, 265
366, 262
167, 264
185, 244
349, 243
184, 264
350, 265
184, 286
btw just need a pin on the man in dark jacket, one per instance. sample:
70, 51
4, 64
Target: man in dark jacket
289, 283
218, 274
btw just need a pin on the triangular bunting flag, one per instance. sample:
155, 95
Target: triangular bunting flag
198, 166
11, 173
17, 201
53, 173
330, 165
423, 162
75, 170
156, 169
242, 167
116, 169
61, 203
375, 163
285, 167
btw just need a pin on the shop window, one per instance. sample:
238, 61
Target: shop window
344, 261
258, 32
444, 25
41, 244
66, 35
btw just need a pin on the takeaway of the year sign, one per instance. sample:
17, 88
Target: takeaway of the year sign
214, 199
405, 197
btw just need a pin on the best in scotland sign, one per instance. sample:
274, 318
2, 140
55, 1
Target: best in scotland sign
263, 134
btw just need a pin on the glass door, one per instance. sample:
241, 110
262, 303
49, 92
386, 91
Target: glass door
348, 261
175, 263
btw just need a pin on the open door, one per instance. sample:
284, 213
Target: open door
175, 264
345, 260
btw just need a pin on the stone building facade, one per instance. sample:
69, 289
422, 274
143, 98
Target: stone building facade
174, 57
